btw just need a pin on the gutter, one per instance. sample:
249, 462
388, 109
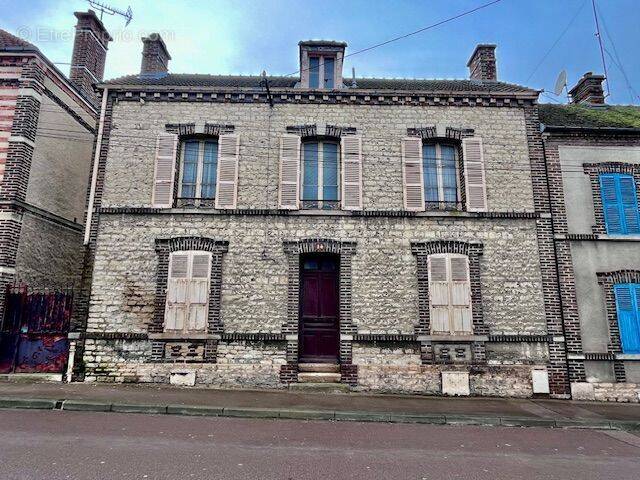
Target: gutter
603, 130
96, 159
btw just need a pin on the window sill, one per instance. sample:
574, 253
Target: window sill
453, 338
598, 237
183, 336
628, 356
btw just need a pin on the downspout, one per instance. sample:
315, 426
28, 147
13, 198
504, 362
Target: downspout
94, 175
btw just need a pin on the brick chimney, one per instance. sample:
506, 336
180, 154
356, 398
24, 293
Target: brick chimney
588, 90
155, 56
482, 64
89, 53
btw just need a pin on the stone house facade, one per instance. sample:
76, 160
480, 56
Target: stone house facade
593, 159
47, 131
390, 235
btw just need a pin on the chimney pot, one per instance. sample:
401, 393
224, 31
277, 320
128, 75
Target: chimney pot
89, 53
588, 90
482, 64
155, 56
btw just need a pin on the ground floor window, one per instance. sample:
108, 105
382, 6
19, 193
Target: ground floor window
628, 311
449, 293
187, 300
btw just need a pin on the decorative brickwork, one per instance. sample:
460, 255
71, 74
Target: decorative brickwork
555, 259
594, 170
293, 250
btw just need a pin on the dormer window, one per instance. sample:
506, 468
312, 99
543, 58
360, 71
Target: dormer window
321, 72
321, 64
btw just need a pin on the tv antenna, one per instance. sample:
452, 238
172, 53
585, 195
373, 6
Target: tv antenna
104, 8
561, 84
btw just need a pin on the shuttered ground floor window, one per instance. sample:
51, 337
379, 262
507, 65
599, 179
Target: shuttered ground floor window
628, 310
188, 285
449, 293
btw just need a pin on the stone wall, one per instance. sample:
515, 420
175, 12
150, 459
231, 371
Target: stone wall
130, 161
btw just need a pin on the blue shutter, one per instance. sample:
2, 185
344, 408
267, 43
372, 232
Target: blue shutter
610, 203
620, 203
628, 306
629, 200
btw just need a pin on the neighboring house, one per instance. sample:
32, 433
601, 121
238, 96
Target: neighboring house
392, 235
47, 131
593, 161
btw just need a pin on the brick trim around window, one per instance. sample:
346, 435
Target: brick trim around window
164, 247
607, 281
293, 250
465, 351
594, 170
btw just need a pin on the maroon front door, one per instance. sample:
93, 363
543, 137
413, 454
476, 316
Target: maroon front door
319, 300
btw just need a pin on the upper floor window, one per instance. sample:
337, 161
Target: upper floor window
440, 167
449, 293
199, 168
320, 175
321, 72
628, 310
188, 285
620, 203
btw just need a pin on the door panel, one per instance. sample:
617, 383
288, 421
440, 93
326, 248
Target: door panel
319, 319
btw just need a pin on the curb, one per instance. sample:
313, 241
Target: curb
274, 413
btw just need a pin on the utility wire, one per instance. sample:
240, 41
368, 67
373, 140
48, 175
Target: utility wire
562, 34
401, 37
599, 37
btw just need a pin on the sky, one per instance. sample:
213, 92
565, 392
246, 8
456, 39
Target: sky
536, 39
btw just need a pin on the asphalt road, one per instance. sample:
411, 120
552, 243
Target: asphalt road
56, 445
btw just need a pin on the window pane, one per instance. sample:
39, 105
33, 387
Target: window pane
314, 72
330, 171
209, 170
430, 172
190, 169
449, 173
310, 173
328, 72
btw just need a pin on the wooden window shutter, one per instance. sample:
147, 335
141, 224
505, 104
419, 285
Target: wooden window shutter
611, 203
629, 200
439, 293
474, 174
227, 180
412, 174
351, 150
289, 191
628, 312
164, 172
199, 291
177, 288
460, 294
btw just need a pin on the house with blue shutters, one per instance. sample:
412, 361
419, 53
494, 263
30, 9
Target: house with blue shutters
592, 152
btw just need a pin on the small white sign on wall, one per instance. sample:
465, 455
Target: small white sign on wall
455, 383
540, 379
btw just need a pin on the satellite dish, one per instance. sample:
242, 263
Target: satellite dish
561, 82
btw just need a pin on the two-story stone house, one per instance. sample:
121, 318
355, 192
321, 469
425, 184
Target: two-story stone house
391, 235
593, 157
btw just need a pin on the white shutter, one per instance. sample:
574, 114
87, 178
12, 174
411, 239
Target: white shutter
177, 286
460, 294
412, 174
199, 291
289, 191
227, 181
351, 150
165, 165
439, 293
474, 174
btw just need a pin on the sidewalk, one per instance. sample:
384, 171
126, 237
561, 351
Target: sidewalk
351, 406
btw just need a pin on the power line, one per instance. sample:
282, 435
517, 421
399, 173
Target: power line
566, 29
599, 37
401, 37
